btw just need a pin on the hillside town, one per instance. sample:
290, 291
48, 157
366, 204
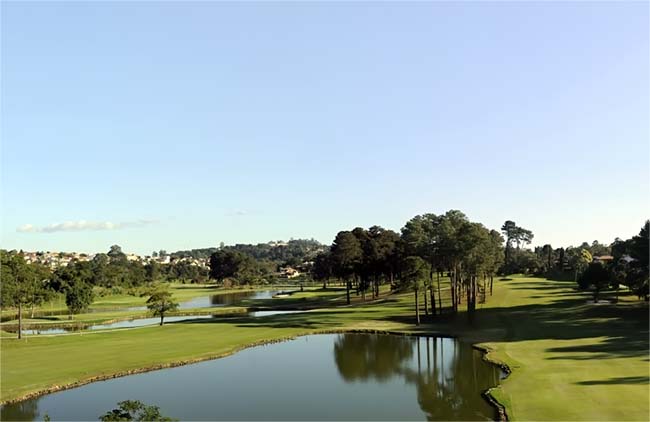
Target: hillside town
55, 260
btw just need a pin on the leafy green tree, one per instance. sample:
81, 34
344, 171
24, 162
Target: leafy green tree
546, 255
385, 245
474, 242
450, 226
160, 303
100, 276
620, 248
637, 277
596, 276
78, 296
414, 273
422, 237
347, 256
496, 256
598, 249
225, 263
115, 253
579, 259
514, 235
509, 229
152, 271
22, 284
134, 410
322, 268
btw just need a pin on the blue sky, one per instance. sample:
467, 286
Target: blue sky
181, 125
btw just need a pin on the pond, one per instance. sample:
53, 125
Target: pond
317, 377
139, 322
224, 299
210, 301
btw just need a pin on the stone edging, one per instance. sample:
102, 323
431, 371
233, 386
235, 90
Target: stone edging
487, 394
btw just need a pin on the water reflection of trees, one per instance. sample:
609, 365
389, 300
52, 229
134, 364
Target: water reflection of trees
449, 376
21, 411
363, 357
236, 297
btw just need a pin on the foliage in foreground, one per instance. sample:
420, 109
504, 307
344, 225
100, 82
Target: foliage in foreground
134, 410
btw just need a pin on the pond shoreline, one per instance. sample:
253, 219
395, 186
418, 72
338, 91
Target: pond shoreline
500, 411
80, 326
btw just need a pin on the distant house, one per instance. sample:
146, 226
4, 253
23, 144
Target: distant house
289, 272
603, 259
627, 259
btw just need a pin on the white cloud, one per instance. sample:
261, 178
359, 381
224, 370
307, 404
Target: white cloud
83, 225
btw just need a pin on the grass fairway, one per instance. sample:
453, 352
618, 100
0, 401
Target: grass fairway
571, 360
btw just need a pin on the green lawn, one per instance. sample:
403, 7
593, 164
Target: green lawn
570, 360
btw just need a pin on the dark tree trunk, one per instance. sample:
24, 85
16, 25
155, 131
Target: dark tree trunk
474, 291
426, 302
471, 297
452, 282
417, 308
347, 291
162, 315
20, 320
433, 302
491, 283
439, 295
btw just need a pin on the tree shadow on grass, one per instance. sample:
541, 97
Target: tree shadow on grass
619, 380
611, 331
611, 347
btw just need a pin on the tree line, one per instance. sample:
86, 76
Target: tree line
429, 247
629, 266
293, 253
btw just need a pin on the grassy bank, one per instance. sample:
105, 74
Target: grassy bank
570, 359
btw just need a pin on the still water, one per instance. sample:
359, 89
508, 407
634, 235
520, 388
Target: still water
224, 299
318, 377
140, 322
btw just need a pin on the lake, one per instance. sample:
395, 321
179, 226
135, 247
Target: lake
142, 322
223, 299
316, 377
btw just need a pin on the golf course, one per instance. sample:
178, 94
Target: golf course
568, 357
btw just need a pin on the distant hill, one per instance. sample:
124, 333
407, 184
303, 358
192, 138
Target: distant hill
293, 252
